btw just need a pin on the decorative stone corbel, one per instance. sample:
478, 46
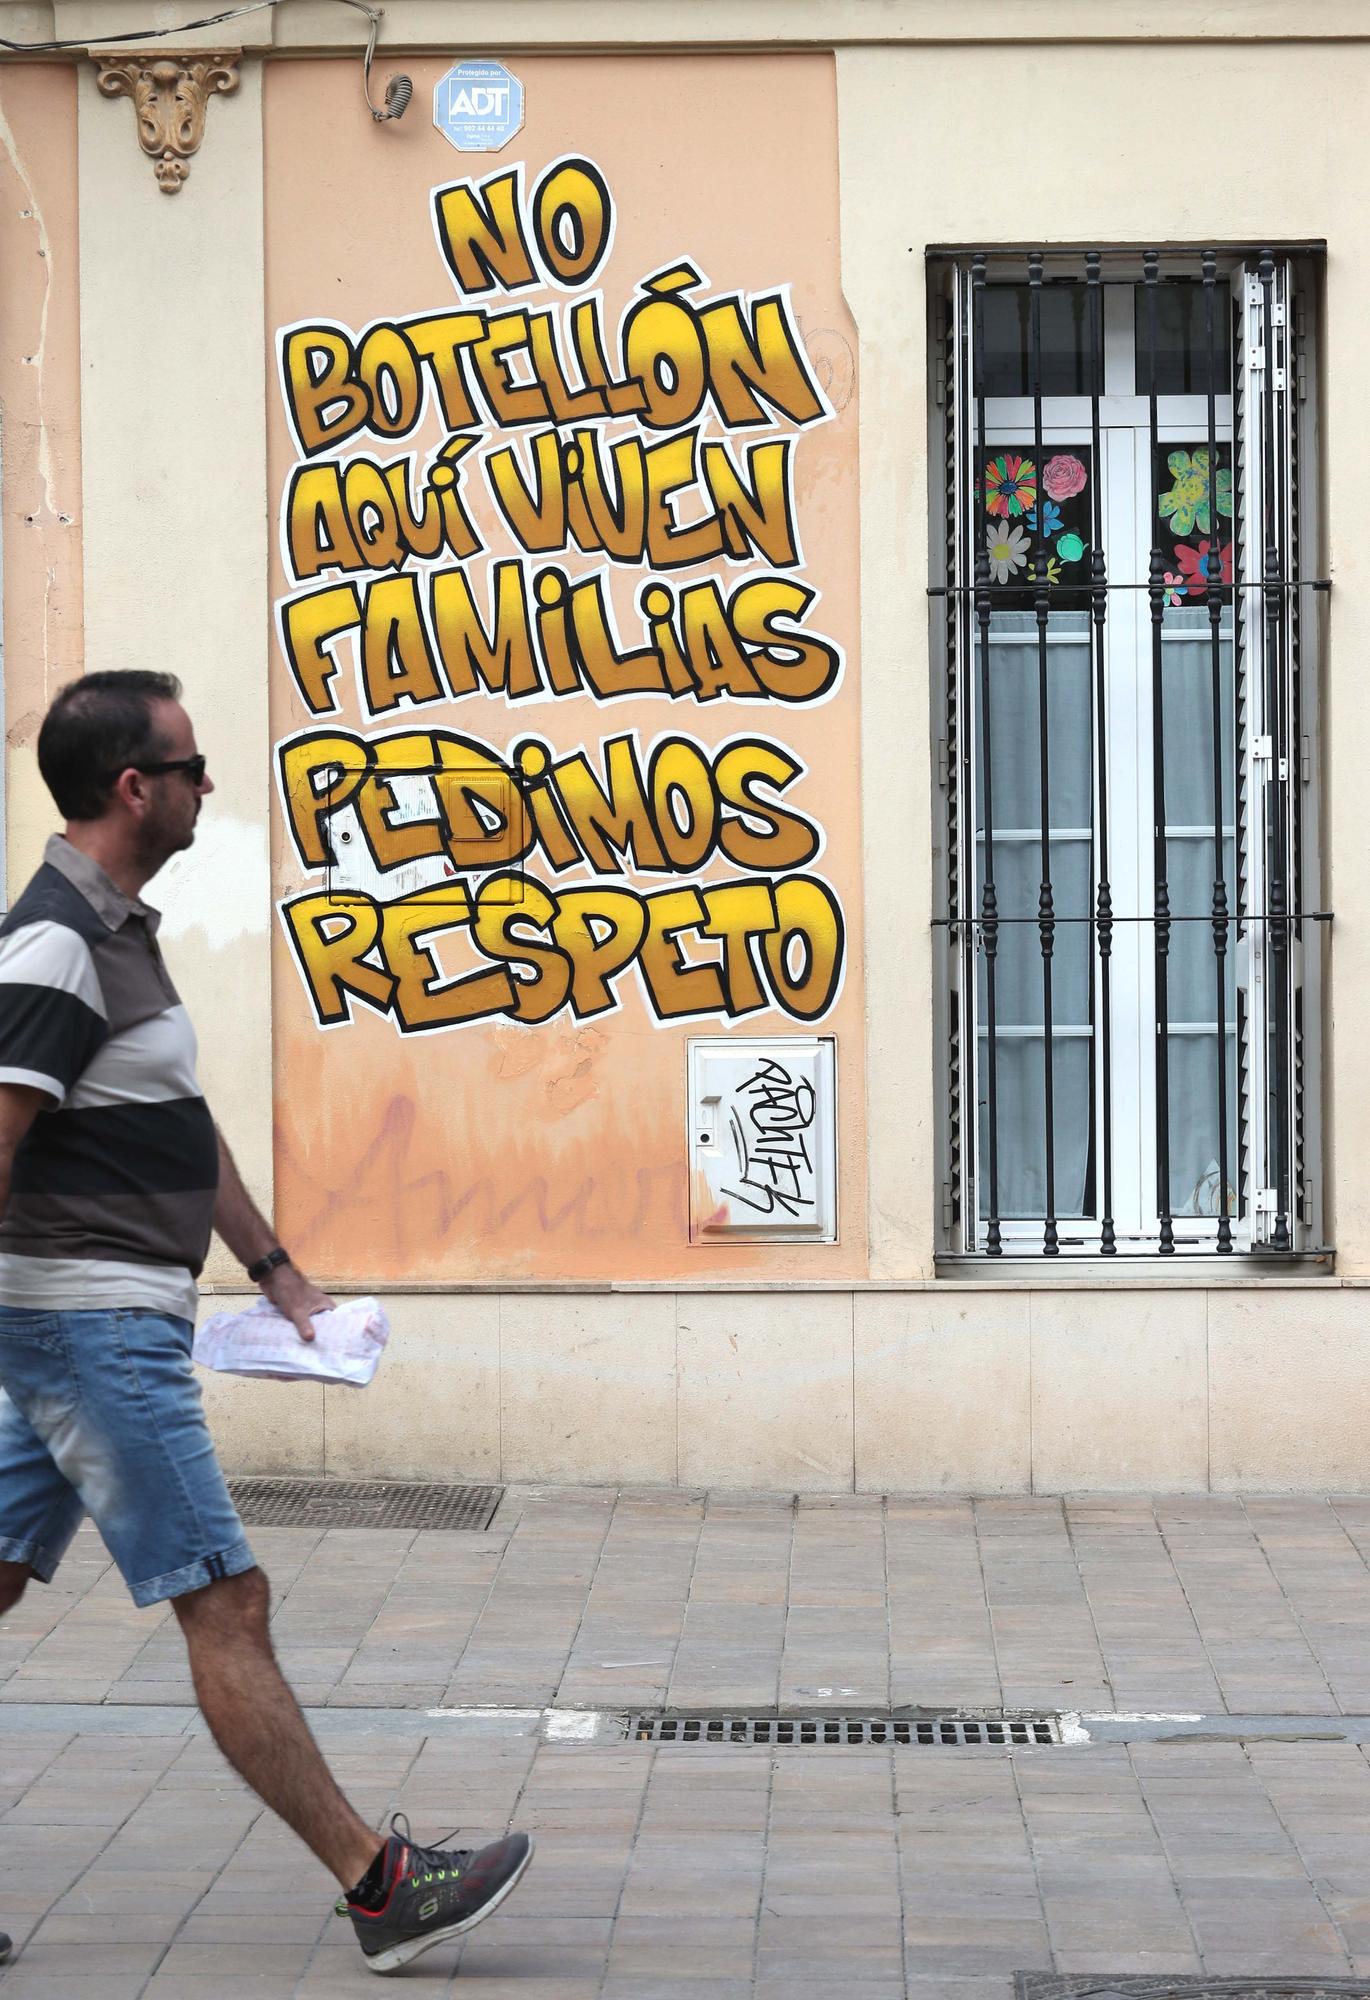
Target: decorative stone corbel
170, 96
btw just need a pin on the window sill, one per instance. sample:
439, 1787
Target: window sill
1187, 1271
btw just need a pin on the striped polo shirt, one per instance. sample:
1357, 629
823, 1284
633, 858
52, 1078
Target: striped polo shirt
112, 1194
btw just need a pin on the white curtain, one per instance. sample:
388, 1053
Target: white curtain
1020, 1044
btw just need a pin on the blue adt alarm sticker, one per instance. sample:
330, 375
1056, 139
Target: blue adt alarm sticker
478, 106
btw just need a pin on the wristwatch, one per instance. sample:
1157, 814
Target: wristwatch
264, 1266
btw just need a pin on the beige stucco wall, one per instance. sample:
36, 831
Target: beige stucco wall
173, 447
939, 1388
40, 428
900, 1382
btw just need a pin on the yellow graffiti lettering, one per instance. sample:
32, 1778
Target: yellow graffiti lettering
505, 907
572, 219
309, 626
494, 809
533, 506
804, 952
441, 339
684, 803
758, 367
568, 405
670, 358
480, 234
388, 370
790, 665
758, 833
663, 350
674, 987
332, 936
498, 658
373, 515
423, 998
621, 398
364, 516
613, 819
600, 519
717, 660
484, 810
510, 401
318, 533
600, 654
554, 633
738, 913
601, 932
326, 404
756, 510
672, 544
544, 950
397, 659
391, 839
320, 771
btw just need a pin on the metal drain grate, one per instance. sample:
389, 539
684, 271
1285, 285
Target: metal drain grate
927, 1732
361, 1503
1160, 1986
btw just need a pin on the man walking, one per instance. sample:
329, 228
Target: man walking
112, 1174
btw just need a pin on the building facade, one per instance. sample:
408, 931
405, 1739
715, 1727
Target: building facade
773, 598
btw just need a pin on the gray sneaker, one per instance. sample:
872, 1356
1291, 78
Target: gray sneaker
433, 1894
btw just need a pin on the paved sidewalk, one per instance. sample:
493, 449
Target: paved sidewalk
133, 1862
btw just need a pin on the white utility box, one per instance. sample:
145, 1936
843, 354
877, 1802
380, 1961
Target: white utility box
763, 1139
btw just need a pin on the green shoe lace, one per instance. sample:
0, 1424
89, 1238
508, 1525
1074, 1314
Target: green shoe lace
426, 1864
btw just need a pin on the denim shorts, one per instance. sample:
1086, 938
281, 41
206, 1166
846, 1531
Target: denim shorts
100, 1414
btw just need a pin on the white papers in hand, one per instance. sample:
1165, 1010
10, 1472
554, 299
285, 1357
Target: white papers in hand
347, 1345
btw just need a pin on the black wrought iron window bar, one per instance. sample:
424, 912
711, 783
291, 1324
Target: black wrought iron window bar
1131, 916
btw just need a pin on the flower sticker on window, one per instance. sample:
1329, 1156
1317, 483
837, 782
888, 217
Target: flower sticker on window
1186, 505
1007, 549
1051, 518
1195, 565
1010, 485
1174, 586
1070, 548
1064, 476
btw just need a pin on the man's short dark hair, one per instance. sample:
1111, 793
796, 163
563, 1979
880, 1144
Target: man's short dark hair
96, 728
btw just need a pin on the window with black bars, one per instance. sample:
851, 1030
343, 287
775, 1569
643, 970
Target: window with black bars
1130, 913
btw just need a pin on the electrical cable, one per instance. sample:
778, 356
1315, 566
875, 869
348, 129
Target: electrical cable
155, 34
398, 90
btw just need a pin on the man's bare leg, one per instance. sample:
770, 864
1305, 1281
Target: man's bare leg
256, 1721
14, 1580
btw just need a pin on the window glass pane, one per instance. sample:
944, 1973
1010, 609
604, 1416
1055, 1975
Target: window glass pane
1018, 963
1028, 513
1192, 982
1193, 524
1193, 1043
1066, 366
1187, 664
1194, 1177
1015, 690
1022, 1165
1015, 711
1182, 340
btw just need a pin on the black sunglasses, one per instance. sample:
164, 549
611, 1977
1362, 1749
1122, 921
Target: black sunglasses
194, 768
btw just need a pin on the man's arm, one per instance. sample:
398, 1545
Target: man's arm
19, 1106
249, 1236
